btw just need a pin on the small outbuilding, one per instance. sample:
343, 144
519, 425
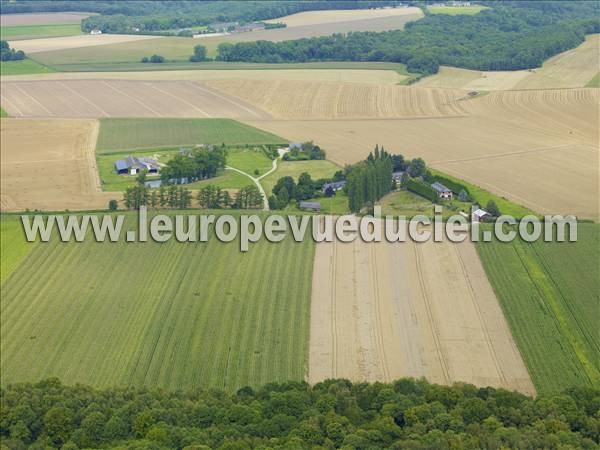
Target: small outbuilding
310, 206
480, 215
334, 185
96, 31
442, 191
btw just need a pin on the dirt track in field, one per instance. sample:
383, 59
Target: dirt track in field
117, 98
389, 310
50, 165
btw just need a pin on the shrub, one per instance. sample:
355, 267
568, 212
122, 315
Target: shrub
422, 189
113, 205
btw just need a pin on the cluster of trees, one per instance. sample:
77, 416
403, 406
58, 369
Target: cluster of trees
9, 54
286, 190
509, 36
126, 16
171, 196
306, 151
332, 414
369, 180
157, 59
215, 197
199, 54
196, 165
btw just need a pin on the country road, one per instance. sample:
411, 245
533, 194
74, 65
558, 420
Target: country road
256, 180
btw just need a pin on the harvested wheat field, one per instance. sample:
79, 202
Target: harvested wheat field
31, 46
549, 171
115, 98
49, 165
571, 69
341, 15
389, 310
366, 76
12, 20
318, 100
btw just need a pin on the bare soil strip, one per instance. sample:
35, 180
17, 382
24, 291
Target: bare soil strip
382, 311
118, 98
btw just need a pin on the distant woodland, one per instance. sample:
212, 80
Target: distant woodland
124, 16
508, 36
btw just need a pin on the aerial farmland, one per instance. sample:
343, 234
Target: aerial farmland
158, 112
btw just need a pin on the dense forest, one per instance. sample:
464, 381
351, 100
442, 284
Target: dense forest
125, 16
332, 414
509, 36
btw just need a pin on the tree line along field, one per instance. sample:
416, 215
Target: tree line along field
171, 315
120, 134
549, 294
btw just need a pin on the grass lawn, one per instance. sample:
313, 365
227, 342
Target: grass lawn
549, 294
14, 247
456, 10
243, 159
39, 31
594, 82
3, 113
316, 168
23, 67
482, 196
121, 134
170, 315
404, 203
249, 160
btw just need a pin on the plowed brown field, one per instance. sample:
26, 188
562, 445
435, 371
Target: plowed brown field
389, 310
49, 165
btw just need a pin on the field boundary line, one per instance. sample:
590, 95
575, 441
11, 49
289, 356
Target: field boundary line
217, 94
84, 98
488, 339
434, 331
178, 98
378, 325
5, 101
16, 85
132, 98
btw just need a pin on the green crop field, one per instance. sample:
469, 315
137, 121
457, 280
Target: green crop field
172, 315
549, 294
39, 31
172, 48
594, 82
13, 245
117, 135
241, 158
3, 113
456, 10
23, 67
249, 160
316, 168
